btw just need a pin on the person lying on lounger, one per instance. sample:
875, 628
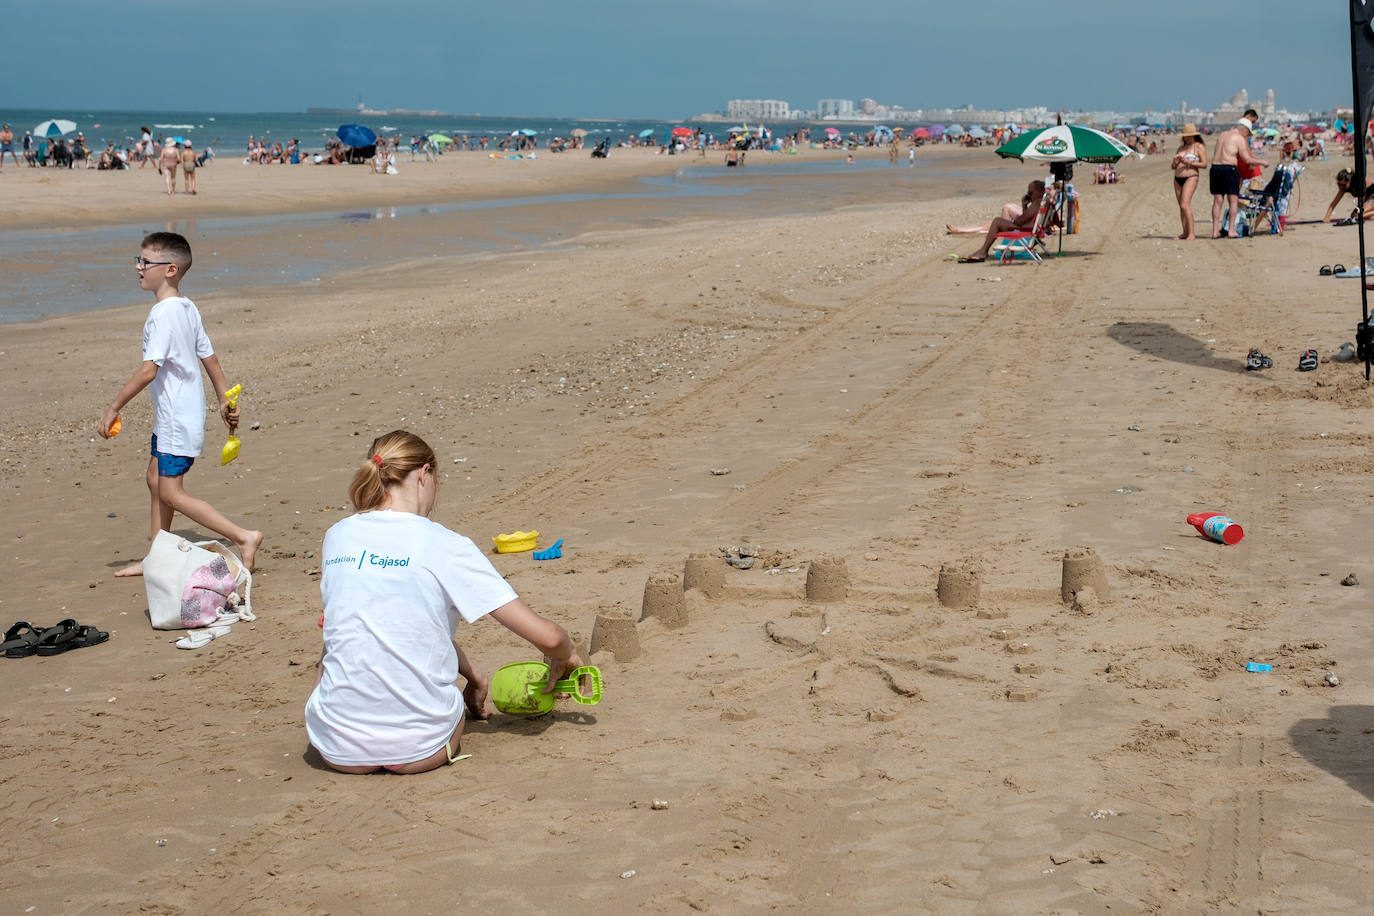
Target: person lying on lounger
1036, 194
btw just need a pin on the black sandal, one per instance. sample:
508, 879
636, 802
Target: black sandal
1325, 271
58, 639
1257, 360
1308, 361
21, 640
970, 260
1338, 269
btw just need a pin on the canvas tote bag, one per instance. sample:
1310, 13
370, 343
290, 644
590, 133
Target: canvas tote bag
195, 584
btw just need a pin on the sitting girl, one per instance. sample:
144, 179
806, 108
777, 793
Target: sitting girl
395, 587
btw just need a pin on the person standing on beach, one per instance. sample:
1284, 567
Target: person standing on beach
168, 164
173, 340
1189, 160
145, 146
1231, 150
188, 167
7, 145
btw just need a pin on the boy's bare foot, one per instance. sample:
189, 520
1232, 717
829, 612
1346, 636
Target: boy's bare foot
249, 548
135, 569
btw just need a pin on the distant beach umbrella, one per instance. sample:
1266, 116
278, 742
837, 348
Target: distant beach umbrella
1064, 143
682, 131
977, 132
646, 133
937, 130
832, 131
523, 132
355, 135
440, 139
54, 128
578, 132
921, 133
954, 130
882, 129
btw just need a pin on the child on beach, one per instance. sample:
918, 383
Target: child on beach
396, 585
173, 339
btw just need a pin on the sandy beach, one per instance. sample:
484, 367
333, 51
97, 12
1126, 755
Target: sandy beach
883, 413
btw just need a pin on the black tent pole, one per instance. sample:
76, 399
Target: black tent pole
1361, 128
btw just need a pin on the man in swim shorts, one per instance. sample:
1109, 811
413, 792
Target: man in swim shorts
1232, 149
7, 145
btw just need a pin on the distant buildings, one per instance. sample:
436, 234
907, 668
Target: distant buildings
758, 110
868, 110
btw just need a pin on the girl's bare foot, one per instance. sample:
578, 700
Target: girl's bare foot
135, 569
248, 548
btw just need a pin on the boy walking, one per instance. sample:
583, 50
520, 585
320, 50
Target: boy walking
173, 340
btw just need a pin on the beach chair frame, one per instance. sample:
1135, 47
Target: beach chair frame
1009, 244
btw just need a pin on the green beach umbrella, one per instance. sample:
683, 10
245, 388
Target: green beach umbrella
440, 138
1064, 143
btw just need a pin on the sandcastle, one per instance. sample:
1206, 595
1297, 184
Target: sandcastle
959, 585
1083, 569
827, 579
663, 599
704, 573
615, 632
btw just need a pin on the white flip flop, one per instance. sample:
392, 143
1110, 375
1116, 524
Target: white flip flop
199, 639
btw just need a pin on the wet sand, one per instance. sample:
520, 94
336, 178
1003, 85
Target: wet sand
875, 404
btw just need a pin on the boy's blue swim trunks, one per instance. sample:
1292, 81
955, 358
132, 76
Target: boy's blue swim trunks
170, 465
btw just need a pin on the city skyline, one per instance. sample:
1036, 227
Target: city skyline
658, 60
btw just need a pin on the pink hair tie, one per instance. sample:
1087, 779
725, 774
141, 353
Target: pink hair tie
378, 459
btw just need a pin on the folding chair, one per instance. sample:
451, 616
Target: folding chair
1272, 202
1025, 241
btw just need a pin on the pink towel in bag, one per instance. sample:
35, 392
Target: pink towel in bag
207, 592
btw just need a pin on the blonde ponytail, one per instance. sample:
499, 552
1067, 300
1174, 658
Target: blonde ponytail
388, 461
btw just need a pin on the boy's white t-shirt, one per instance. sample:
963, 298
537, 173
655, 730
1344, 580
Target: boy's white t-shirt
175, 339
395, 586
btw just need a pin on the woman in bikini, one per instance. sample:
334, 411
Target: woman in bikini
1189, 160
188, 167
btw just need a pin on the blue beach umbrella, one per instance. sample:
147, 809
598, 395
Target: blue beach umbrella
54, 128
647, 132
356, 135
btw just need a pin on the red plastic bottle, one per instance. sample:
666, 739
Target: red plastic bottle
1217, 527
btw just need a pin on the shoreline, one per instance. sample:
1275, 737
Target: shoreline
85, 198
59, 272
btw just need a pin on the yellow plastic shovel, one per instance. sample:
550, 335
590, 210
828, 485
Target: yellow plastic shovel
231, 447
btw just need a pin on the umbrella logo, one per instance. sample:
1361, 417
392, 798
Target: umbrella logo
1051, 146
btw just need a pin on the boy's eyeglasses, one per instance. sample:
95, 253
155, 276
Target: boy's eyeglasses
142, 264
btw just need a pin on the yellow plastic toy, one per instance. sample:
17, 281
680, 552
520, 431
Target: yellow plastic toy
517, 542
115, 427
231, 447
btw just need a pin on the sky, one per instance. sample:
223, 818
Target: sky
669, 58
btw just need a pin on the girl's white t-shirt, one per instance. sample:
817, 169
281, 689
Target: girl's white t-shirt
395, 586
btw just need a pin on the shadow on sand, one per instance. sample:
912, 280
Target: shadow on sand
1342, 744
1166, 342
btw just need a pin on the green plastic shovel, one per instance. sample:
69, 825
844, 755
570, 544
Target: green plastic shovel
517, 689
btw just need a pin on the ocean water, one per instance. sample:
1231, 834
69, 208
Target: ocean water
64, 271
229, 132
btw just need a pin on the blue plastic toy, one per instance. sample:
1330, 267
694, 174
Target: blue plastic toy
552, 552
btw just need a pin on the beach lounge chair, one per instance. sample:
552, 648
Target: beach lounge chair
1025, 241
